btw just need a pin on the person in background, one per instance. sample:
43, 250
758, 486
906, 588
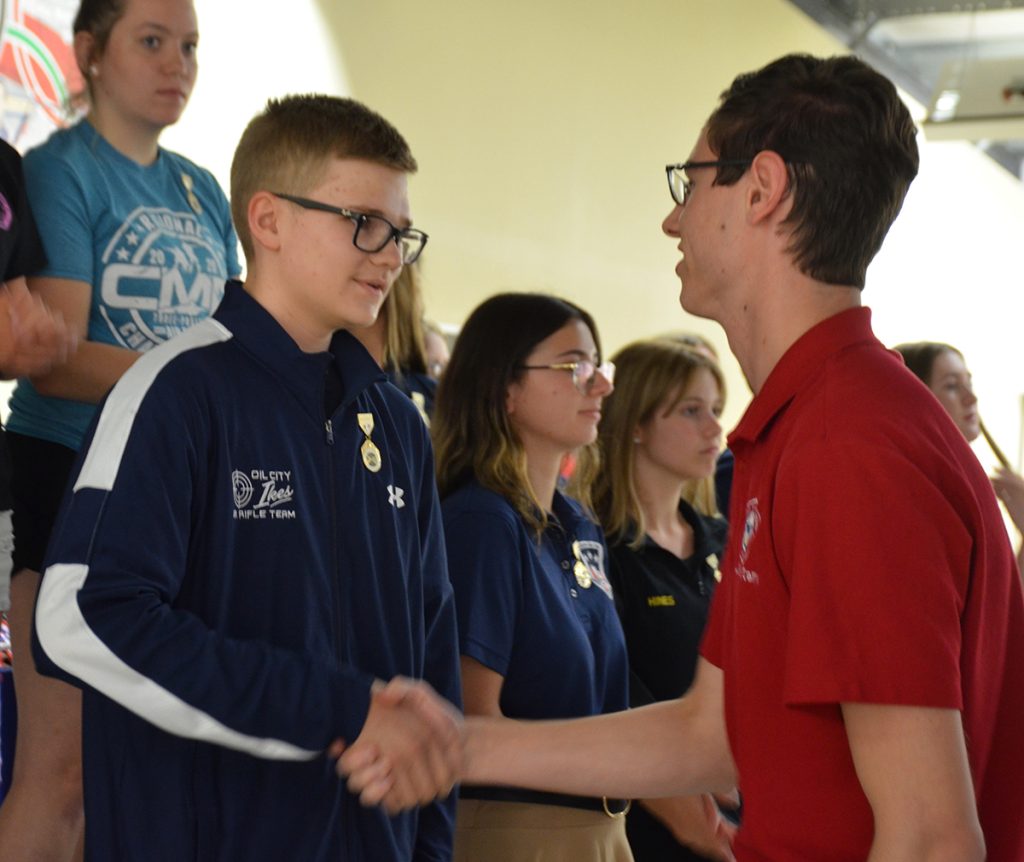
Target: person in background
942, 368
438, 353
138, 243
397, 341
32, 340
713, 499
659, 434
538, 632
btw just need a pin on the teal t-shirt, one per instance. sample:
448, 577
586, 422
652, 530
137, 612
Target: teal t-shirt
155, 242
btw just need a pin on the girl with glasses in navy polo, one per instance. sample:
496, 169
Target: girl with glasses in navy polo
538, 632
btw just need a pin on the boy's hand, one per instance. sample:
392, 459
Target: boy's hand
409, 751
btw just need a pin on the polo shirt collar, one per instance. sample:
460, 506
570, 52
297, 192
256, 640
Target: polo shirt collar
568, 515
701, 541
799, 365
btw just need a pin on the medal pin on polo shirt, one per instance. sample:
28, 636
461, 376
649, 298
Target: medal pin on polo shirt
579, 568
712, 560
371, 454
193, 201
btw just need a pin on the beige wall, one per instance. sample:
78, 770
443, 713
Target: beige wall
542, 128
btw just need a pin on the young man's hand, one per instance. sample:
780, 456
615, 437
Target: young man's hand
410, 749
33, 339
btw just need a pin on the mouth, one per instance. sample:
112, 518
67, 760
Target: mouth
379, 287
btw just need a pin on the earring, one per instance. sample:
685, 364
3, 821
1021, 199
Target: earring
636, 438
94, 71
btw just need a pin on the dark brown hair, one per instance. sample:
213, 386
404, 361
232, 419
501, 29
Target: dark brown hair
473, 438
920, 357
850, 144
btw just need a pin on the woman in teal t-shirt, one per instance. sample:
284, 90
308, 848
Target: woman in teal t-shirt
139, 243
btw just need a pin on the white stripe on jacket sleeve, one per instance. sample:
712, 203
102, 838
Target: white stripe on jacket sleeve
61, 628
115, 423
71, 644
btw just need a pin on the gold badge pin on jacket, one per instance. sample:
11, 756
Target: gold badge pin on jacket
371, 454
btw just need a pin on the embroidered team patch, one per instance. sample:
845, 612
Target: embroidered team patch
263, 495
593, 556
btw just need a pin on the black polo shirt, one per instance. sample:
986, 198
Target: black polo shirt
663, 603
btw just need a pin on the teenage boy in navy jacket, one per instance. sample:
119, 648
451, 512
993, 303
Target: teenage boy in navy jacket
251, 546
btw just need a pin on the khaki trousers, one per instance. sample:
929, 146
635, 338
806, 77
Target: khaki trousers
487, 831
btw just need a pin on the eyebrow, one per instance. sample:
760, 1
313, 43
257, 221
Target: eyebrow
402, 224
576, 352
160, 28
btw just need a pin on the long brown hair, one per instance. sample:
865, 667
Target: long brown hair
404, 346
473, 438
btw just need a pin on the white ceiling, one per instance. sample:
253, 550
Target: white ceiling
964, 61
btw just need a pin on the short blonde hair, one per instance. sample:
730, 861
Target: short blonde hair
287, 147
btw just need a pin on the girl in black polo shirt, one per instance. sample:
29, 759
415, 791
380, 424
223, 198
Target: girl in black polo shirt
660, 436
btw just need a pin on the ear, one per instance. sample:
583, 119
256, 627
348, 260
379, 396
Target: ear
511, 398
84, 46
768, 189
264, 212
638, 434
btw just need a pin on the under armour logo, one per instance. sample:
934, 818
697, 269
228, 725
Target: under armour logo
395, 495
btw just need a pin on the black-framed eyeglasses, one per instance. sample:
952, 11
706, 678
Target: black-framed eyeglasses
372, 232
680, 187
584, 372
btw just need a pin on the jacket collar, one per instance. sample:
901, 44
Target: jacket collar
256, 330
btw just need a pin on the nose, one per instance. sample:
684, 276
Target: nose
600, 384
969, 398
173, 55
670, 226
389, 256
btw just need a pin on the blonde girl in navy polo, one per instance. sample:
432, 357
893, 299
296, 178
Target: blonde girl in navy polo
538, 632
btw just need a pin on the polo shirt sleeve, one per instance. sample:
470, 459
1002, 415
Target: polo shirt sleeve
875, 558
484, 561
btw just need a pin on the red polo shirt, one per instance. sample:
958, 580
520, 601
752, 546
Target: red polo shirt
868, 563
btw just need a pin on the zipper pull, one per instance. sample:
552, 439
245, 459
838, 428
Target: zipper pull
329, 428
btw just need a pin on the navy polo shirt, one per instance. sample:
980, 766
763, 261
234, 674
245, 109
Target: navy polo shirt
522, 613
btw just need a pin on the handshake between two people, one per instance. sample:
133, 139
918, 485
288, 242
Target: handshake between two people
409, 752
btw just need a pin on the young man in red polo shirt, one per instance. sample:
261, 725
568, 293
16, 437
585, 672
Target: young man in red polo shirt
862, 672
